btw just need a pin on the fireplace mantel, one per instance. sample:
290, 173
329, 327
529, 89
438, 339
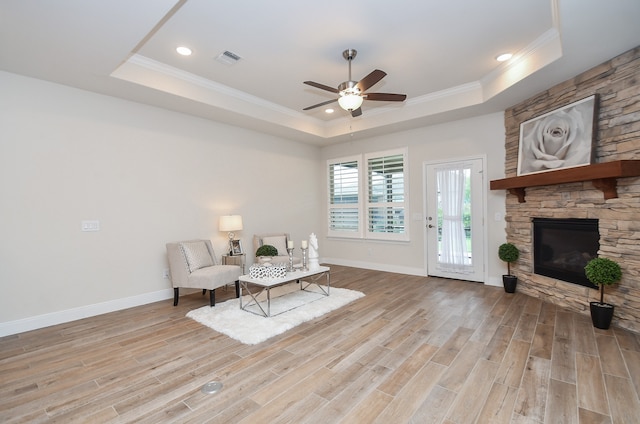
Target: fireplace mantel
604, 177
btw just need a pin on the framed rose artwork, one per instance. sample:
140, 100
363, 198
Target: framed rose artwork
562, 138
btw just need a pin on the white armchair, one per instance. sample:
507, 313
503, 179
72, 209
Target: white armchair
193, 264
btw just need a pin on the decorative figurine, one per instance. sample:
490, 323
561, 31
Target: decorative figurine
313, 252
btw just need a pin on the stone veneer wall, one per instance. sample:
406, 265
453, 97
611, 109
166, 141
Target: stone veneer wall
617, 82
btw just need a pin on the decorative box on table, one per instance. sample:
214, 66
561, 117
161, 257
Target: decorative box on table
273, 271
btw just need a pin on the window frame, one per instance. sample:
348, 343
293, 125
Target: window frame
364, 202
331, 207
400, 205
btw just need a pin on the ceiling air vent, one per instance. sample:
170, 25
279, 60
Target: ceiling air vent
228, 58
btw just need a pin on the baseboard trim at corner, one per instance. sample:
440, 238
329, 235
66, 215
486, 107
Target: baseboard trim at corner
46, 320
493, 281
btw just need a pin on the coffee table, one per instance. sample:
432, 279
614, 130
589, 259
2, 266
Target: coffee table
305, 278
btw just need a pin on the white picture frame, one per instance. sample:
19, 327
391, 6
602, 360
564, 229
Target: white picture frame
235, 247
561, 138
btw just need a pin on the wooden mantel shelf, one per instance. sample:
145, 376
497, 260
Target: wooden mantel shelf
603, 175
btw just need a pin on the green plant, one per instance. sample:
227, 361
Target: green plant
266, 250
508, 252
603, 272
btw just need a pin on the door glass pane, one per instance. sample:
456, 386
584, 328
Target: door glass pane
443, 199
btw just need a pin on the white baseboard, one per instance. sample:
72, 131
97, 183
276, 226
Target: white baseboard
377, 266
54, 318
491, 281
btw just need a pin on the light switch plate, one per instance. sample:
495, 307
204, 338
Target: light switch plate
91, 225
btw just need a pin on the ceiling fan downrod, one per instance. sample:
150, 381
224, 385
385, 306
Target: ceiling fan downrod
349, 86
349, 55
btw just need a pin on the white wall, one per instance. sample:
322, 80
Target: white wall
151, 176
481, 136
148, 175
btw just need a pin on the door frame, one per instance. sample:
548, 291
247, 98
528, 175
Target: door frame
485, 185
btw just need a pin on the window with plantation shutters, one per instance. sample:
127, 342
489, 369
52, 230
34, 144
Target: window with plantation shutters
344, 198
386, 192
378, 214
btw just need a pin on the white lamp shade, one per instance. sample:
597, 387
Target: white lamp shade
230, 223
350, 101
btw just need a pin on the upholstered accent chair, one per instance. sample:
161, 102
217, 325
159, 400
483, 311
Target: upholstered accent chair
193, 264
279, 241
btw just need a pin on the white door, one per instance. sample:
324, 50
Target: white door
454, 225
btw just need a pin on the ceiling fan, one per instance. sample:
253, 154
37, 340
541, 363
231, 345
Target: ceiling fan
352, 93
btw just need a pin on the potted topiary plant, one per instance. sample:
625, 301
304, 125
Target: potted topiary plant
508, 252
602, 272
265, 253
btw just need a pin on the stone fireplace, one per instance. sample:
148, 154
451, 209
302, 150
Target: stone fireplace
617, 82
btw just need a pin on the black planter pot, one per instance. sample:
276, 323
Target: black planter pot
601, 314
509, 282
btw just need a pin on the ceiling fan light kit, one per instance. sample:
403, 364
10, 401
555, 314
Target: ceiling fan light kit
351, 94
350, 101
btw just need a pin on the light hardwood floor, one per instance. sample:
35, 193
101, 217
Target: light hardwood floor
413, 350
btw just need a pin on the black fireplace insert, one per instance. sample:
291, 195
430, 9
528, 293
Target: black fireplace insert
562, 248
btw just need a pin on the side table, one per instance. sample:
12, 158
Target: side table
234, 260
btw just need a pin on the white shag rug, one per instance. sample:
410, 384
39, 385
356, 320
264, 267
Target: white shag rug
290, 307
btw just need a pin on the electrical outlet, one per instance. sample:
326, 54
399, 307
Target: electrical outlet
165, 274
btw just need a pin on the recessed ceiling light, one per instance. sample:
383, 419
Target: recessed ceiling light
184, 51
328, 110
503, 57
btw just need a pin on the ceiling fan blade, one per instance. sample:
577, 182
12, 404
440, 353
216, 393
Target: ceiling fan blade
370, 80
321, 86
387, 97
320, 104
356, 112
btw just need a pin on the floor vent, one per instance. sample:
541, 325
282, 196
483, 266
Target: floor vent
212, 387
